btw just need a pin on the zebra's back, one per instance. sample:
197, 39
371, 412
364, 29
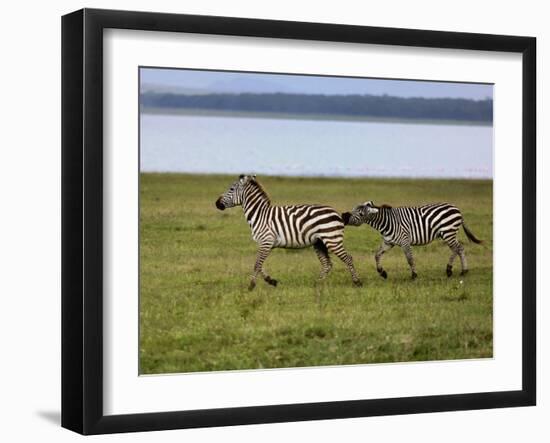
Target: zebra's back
299, 226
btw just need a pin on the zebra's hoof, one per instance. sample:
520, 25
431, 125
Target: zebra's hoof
449, 271
271, 281
414, 275
383, 274
358, 283
464, 272
252, 285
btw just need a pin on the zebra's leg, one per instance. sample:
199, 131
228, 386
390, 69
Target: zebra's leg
337, 248
322, 253
454, 253
410, 259
384, 247
263, 251
457, 249
463, 260
452, 243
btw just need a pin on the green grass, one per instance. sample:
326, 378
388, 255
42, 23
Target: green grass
196, 313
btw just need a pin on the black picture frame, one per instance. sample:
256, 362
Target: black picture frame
82, 219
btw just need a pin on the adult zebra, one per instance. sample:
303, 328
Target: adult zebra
296, 226
409, 226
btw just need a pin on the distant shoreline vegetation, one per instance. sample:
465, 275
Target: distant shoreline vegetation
345, 107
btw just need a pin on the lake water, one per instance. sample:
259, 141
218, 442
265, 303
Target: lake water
236, 145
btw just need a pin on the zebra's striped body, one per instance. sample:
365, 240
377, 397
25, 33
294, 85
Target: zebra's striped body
410, 226
296, 226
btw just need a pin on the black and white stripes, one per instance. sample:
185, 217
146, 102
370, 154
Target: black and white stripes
296, 226
409, 226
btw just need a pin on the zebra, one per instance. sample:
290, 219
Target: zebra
296, 226
408, 226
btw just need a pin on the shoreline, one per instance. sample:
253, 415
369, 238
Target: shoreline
297, 116
320, 177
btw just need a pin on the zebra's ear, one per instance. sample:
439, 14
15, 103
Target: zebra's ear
253, 176
369, 208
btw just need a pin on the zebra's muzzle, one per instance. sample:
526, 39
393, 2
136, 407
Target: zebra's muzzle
346, 216
219, 204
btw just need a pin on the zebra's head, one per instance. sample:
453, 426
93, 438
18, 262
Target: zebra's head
234, 195
360, 214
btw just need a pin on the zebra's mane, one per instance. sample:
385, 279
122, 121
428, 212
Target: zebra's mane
261, 189
385, 206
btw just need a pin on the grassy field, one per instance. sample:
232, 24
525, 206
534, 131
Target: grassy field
196, 313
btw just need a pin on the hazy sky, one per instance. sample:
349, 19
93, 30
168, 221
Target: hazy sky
234, 82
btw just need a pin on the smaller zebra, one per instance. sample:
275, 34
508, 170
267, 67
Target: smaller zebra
410, 226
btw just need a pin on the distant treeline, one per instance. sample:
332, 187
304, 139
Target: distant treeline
343, 105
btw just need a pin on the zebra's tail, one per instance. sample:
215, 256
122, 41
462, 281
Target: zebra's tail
471, 235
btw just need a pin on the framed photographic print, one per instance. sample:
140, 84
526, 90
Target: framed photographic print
269, 221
